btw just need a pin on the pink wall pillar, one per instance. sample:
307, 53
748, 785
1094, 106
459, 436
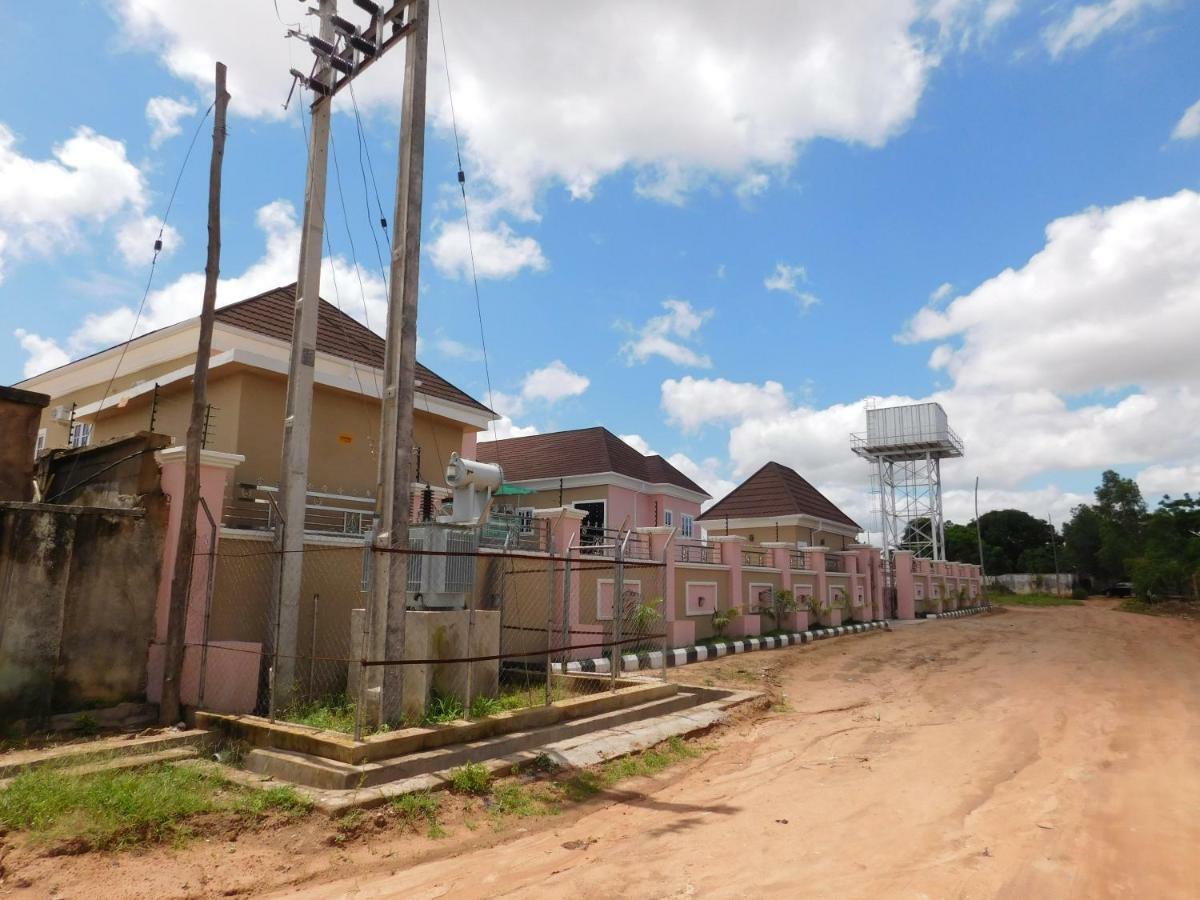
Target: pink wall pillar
902, 563
680, 632
215, 468
855, 610
816, 561
731, 555
870, 566
781, 559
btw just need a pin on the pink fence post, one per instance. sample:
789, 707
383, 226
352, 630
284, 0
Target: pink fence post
816, 561
902, 564
215, 468
662, 547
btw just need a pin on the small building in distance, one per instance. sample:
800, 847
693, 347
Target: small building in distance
777, 504
593, 470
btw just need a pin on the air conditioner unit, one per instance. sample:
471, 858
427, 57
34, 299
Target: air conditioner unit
61, 414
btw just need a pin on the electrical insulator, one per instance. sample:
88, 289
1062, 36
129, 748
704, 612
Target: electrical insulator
157, 244
321, 46
373, 8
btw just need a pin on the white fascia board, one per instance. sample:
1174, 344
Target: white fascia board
172, 342
120, 398
606, 479
801, 519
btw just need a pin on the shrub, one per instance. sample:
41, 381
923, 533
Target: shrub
417, 808
782, 603
1079, 592
646, 614
444, 708
721, 619
473, 778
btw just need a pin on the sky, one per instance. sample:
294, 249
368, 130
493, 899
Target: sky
718, 230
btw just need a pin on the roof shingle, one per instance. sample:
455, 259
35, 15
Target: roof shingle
271, 312
584, 451
776, 490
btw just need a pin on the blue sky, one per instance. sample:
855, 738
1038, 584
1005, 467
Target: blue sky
867, 183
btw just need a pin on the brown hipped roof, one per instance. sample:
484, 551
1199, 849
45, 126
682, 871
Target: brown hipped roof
584, 451
338, 334
776, 490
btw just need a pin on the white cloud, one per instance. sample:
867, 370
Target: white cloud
504, 428
135, 240
1088, 21
540, 389
941, 293
692, 403
789, 280
752, 185
1174, 480
44, 353
638, 443
499, 252
164, 115
1112, 300
665, 336
553, 383
181, 298
544, 105
1188, 126
457, 350
47, 204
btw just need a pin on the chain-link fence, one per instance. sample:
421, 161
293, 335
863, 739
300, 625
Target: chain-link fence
493, 618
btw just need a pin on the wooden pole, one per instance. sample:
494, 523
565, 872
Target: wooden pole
169, 707
399, 375
283, 633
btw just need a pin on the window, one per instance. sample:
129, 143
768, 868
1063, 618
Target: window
687, 525
81, 434
668, 517
40, 444
525, 518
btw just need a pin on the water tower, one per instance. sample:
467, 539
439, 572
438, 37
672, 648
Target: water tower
905, 446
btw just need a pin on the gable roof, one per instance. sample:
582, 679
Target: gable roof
776, 490
583, 451
271, 312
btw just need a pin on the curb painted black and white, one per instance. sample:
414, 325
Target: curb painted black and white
633, 662
956, 613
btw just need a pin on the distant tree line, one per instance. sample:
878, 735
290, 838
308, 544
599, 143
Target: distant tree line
1114, 539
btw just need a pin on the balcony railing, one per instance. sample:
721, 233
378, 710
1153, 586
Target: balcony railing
798, 559
352, 516
697, 551
324, 513
595, 540
755, 556
834, 563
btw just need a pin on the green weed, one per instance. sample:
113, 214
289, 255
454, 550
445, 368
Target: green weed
420, 808
473, 778
118, 809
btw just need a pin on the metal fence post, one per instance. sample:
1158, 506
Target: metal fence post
566, 606
549, 618
365, 588
618, 612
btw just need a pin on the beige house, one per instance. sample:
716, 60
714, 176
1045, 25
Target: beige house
151, 391
777, 504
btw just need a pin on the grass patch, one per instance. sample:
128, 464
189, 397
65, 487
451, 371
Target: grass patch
1179, 609
1034, 600
120, 809
584, 785
420, 809
473, 778
522, 801
331, 714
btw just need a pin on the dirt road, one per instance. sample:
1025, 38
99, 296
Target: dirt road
1029, 753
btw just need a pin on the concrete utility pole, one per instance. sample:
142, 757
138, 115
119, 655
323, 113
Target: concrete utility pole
395, 460
181, 579
297, 422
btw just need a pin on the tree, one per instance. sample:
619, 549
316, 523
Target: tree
1102, 538
1010, 533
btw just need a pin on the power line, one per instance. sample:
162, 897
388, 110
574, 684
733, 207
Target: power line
462, 185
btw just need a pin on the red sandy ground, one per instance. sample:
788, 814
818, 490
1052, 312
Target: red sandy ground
1026, 753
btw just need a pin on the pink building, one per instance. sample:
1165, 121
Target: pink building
594, 471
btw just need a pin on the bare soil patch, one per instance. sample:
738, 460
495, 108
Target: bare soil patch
1033, 753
